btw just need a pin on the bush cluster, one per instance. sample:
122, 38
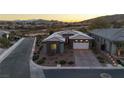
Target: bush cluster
35, 57
41, 61
62, 62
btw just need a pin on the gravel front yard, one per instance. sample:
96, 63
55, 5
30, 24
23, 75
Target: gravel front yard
66, 59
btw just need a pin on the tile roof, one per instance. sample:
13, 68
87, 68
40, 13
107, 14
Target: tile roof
54, 37
112, 34
57, 36
80, 36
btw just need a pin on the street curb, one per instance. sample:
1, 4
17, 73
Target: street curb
8, 51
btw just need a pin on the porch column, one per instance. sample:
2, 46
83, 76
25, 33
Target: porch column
61, 47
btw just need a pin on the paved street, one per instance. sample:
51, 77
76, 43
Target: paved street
85, 58
83, 73
17, 63
2, 50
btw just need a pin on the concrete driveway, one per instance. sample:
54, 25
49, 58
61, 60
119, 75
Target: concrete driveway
86, 58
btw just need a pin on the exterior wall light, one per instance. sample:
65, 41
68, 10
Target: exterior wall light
86, 40
7, 36
81, 40
76, 40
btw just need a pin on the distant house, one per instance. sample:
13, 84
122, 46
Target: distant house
110, 40
56, 42
4, 33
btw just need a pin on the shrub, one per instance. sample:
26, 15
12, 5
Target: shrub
35, 57
62, 62
56, 62
102, 61
44, 58
70, 62
40, 61
41, 46
4, 42
118, 61
35, 53
100, 58
122, 64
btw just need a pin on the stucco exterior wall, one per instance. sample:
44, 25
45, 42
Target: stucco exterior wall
61, 47
47, 47
107, 43
44, 48
114, 48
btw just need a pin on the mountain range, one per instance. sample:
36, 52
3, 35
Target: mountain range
108, 18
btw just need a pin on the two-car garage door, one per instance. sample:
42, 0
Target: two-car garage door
81, 45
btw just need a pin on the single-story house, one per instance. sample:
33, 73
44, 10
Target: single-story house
56, 42
110, 40
4, 33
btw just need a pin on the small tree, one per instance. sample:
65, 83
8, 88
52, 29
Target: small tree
41, 61
44, 58
62, 62
51, 32
4, 42
35, 57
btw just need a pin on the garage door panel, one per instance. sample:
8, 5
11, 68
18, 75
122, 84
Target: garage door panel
80, 45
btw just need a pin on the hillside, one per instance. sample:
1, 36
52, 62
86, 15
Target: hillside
108, 18
115, 21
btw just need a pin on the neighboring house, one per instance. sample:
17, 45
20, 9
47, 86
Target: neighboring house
4, 33
110, 40
56, 42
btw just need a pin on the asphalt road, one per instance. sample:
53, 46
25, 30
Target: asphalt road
16, 65
83, 73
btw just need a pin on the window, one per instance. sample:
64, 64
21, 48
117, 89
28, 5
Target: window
53, 46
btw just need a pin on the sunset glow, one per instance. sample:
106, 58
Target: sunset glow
59, 17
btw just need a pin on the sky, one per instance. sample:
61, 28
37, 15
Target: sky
59, 17
62, 10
